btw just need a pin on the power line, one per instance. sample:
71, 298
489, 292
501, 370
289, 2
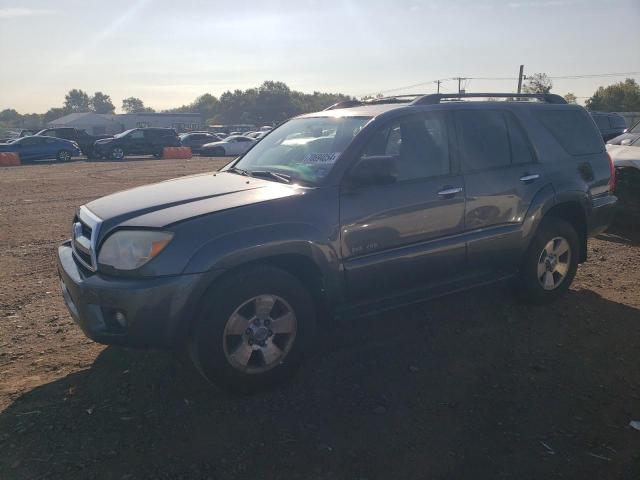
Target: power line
557, 77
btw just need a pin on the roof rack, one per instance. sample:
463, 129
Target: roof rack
434, 98
376, 101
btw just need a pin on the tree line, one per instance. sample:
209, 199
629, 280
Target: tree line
273, 102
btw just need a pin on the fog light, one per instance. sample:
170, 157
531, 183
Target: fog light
120, 318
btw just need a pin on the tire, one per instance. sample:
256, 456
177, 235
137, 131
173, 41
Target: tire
63, 156
117, 153
218, 152
550, 263
232, 344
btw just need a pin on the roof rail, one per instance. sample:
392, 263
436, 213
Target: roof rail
344, 104
435, 98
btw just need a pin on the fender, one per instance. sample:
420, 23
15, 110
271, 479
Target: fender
545, 200
266, 241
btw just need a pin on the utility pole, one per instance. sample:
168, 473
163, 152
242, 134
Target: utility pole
520, 77
460, 84
438, 82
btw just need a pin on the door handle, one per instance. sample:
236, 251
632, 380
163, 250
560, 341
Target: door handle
449, 191
529, 178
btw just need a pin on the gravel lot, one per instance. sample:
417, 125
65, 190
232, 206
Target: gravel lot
474, 385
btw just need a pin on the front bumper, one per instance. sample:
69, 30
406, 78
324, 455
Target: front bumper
158, 311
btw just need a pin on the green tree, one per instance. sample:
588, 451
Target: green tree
101, 103
619, 97
135, 105
537, 83
571, 98
76, 101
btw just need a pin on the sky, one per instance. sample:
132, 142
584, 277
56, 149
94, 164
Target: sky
168, 52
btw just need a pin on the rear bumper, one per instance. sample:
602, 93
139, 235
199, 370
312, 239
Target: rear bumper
158, 311
602, 213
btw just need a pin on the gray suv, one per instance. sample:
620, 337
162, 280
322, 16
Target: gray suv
358, 208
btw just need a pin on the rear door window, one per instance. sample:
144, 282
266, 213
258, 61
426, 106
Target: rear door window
521, 151
483, 138
573, 129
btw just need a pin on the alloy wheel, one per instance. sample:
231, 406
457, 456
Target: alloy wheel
259, 334
553, 263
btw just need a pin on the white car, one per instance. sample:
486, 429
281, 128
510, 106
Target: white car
230, 146
625, 156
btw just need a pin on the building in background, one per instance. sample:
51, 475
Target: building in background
108, 124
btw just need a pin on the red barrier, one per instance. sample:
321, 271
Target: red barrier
176, 152
9, 159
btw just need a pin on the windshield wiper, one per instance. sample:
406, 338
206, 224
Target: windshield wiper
239, 171
279, 177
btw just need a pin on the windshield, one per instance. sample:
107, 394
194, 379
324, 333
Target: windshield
126, 132
304, 148
635, 129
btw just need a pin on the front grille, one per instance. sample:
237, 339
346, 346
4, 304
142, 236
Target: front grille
84, 235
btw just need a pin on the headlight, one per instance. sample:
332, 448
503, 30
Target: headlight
130, 249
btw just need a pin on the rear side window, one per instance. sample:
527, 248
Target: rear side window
617, 121
484, 139
572, 129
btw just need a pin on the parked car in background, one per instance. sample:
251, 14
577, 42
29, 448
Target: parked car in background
81, 137
628, 137
42, 148
232, 145
373, 206
195, 140
626, 159
137, 141
610, 124
14, 135
626, 155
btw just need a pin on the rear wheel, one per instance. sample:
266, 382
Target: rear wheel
254, 329
551, 261
63, 156
117, 153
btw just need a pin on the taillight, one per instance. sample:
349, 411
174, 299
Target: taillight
612, 171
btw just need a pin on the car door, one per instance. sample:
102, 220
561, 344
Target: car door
243, 145
501, 176
405, 234
33, 148
232, 146
137, 142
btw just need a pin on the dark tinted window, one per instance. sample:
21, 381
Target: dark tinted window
484, 139
520, 146
617, 121
573, 129
602, 121
136, 134
420, 142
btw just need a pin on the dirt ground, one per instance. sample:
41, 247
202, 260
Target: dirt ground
474, 385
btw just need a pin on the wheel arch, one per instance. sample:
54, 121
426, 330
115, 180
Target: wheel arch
569, 206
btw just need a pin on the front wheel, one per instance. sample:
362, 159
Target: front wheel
117, 153
551, 262
63, 156
253, 330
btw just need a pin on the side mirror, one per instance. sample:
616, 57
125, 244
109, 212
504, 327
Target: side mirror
373, 170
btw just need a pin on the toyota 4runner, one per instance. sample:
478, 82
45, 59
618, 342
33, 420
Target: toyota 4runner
361, 207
